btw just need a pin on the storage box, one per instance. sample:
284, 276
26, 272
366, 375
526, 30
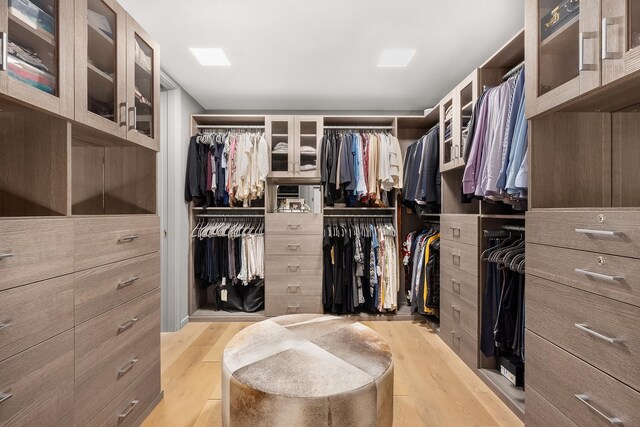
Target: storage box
559, 16
512, 369
32, 15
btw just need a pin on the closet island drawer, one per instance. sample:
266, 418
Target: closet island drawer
95, 389
103, 288
301, 244
299, 265
462, 312
54, 412
598, 330
114, 331
293, 224
100, 241
34, 313
127, 407
541, 413
33, 250
459, 283
293, 285
607, 275
581, 392
460, 228
461, 341
278, 305
608, 232
31, 378
459, 256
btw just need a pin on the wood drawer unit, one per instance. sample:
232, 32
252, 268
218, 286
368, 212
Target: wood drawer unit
100, 241
461, 341
588, 326
282, 223
540, 413
95, 389
103, 288
298, 265
459, 283
302, 244
603, 231
459, 256
462, 312
125, 409
581, 392
56, 411
278, 305
293, 285
31, 378
33, 250
460, 228
607, 275
114, 331
34, 313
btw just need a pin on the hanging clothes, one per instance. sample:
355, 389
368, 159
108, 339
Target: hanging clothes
421, 260
422, 177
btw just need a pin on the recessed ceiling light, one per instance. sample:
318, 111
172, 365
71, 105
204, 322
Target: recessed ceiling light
213, 56
395, 57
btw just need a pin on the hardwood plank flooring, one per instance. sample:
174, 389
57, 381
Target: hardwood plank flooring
432, 386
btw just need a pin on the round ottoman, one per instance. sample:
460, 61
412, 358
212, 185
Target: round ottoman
307, 370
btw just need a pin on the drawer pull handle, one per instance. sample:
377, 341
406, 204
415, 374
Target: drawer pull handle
293, 246
126, 325
455, 231
455, 308
293, 307
294, 226
597, 232
128, 239
128, 411
611, 420
294, 267
455, 283
4, 325
604, 277
127, 282
127, 368
296, 287
7, 255
455, 336
590, 331
5, 396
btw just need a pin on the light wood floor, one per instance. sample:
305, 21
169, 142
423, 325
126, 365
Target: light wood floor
432, 386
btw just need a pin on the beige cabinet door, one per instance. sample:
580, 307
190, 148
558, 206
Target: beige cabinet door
620, 39
101, 57
4, 21
281, 138
143, 87
309, 130
43, 79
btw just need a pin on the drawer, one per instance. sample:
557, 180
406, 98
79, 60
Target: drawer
607, 275
293, 285
459, 283
459, 256
609, 232
33, 250
127, 407
460, 228
34, 376
278, 305
462, 312
560, 377
103, 288
34, 313
100, 241
461, 341
299, 265
114, 331
554, 310
541, 413
95, 389
293, 224
301, 244
54, 412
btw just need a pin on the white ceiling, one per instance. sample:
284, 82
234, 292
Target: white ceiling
322, 55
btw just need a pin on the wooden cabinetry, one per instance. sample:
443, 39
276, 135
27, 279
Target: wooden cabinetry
620, 39
294, 143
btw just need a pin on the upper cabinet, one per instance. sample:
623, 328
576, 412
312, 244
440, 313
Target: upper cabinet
294, 144
620, 39
37, 53
307, 147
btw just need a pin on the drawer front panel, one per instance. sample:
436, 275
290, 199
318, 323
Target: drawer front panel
560, 378
460, 311
127, 407
278, 305
35, 376
607, 275
33, 250
113, 331
541, 413
295, 224
293, 285
459, 256
459, 283
459, 340
100, 241
608, 232
54, 412
282, 265
554, 310
460, 228
34, 313
103, 288
303, 244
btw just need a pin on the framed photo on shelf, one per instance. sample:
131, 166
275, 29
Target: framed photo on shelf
294, 205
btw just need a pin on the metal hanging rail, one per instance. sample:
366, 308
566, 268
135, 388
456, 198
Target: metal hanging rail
513, 70
359, 216
230, 126
229, 216
360, 127
514, 228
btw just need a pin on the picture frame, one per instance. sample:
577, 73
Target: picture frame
294, 205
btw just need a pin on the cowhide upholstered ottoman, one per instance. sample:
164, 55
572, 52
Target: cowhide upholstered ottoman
307, 370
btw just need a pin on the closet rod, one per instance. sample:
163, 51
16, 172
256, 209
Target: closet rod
359, 216
229, 216
513, 71
230, 126
513, 228
359, 127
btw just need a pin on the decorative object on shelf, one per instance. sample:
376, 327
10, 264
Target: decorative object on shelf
560, 15
295, 205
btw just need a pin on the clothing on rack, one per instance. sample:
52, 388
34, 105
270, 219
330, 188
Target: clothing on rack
421, 260
360, 266
224, 169
422, 172
496, 167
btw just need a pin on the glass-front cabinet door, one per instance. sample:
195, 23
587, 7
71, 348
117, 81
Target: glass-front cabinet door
620, 39
308, 142
280, 135
101, 88
38, 53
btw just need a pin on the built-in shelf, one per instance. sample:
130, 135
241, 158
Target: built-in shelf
229, 208
503, 216
334, 208
469, 106
452, 166
101, 85
563, 35
210, 315
23, 27
511, 395
280, 135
